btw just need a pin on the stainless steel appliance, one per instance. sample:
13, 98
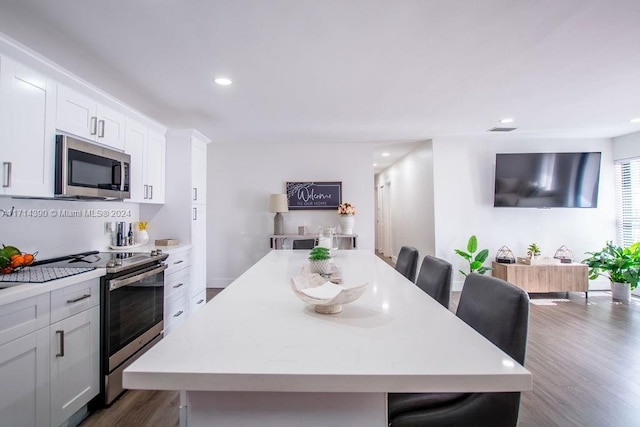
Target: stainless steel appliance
85, 170
132, 302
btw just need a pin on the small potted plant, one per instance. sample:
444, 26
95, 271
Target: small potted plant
620, 265
320, 260
533, 251
475, 262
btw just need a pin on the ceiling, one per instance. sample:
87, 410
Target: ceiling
390, 72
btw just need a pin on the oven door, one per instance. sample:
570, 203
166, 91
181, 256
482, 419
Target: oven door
88, 170
133, 313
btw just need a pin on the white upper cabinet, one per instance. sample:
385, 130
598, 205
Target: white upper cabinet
199, 171
147, 150
82, 116
156, 152
27, 111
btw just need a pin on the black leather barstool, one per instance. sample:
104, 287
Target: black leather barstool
407, 262
435, 279
500, 312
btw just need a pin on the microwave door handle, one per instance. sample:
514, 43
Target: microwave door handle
118, 283
122, 171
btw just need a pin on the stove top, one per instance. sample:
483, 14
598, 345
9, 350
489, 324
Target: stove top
114, 262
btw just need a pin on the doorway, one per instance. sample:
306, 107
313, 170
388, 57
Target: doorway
384, 228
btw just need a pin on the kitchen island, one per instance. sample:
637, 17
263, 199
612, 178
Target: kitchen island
257, 355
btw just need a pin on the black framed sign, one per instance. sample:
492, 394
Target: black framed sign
314, 195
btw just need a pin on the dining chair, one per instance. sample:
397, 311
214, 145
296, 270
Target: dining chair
500, 312
435, 279
407, 262
304, 243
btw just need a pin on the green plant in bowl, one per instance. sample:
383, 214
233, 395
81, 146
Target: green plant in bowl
319, 254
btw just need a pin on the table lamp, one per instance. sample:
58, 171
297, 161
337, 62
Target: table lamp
278, 203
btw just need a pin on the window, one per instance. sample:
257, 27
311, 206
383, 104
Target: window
628, 201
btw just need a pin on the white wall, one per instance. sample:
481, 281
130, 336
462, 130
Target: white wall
412, 206
240, 178
626, 146
52, 233
463, 197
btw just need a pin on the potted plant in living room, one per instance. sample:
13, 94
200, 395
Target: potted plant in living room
320, 260
475, 261
620, 265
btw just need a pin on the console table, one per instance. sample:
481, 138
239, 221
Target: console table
276, 240
545, 277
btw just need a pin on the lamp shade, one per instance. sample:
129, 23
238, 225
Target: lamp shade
278, 203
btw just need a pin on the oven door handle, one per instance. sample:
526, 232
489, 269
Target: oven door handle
118, 283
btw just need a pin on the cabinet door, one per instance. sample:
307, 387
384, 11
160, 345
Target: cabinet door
135, 146
74, 346
199, 172
28, 134
24, 381
199, 249
156, 148
76, 113
111, 127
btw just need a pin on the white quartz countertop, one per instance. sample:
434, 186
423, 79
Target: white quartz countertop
257, 335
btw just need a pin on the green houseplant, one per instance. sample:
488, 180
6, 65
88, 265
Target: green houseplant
320, 260
475, 262
533, 250
620, 265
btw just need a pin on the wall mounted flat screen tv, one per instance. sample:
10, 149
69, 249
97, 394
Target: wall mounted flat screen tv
547, 180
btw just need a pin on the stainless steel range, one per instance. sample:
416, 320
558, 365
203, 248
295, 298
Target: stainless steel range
132, 300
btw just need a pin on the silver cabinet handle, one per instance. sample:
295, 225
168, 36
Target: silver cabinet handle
146, 191
178, 313
61, 341
178, 285
200, 302
6, 176
195, 214
94, 126
151, 192
195, 193
101, 134
178, 262
85, 296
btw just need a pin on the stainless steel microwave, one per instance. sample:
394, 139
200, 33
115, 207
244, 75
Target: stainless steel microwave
85, 170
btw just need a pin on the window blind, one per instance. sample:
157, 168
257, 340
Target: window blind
628, 201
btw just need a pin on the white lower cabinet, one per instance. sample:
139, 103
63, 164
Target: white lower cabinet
49, 355
177, 285
24, 381
75, 343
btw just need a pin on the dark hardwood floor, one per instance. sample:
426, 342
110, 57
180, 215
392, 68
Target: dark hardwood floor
582, 356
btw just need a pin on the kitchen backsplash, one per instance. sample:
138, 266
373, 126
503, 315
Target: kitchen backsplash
55, 228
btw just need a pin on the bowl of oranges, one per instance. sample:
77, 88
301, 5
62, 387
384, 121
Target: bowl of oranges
13, 259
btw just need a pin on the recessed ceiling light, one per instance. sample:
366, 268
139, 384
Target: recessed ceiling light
385, 154
506, 120
222, 81
375, 164
636, 120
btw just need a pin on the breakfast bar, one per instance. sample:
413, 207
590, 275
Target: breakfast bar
257, 355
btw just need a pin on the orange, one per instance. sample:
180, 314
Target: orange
28, 259
17, 261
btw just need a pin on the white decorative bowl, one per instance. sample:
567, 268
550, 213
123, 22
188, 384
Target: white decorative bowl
331, 305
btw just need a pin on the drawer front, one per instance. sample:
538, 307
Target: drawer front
22, 317
74, 299
176, 311
178, 260
197, 301
176, 283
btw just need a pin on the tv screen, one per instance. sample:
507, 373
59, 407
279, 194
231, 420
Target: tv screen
547, 180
